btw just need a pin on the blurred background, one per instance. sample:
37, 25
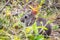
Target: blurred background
11, 12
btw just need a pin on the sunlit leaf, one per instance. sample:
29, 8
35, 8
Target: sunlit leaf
42, 27
28, 29
16, 38
8, 12
35, 29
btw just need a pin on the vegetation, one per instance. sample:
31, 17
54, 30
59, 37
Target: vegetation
11, 11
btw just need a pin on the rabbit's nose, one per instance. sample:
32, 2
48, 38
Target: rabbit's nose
22, 20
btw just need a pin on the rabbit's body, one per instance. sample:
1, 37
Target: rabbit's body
29, 19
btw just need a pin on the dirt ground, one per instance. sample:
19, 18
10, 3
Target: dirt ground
55, 35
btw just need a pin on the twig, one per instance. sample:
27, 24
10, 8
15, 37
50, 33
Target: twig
4, 6
27, 4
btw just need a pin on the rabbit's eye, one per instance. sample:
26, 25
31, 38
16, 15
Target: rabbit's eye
25, 17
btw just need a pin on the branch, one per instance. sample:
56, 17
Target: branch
4, 6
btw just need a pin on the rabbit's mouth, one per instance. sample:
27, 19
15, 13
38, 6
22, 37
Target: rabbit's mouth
28, 22
22, 20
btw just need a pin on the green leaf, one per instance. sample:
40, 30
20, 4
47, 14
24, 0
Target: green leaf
42, 1
42, 27
39, 37
35, 29
55, 27
31, 37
